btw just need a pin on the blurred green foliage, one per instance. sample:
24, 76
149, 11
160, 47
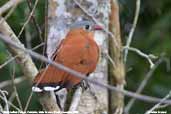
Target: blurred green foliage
152, 35
16, 21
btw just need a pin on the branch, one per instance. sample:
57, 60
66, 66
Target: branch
15, 88
28, 19
117, 68
168, 64
11, 99
8, 61
143, 84
159, 104
1, 109
97, 99
34, 21
9, 103
27, 66
129, 40
48, 100
149, 57
8, 5
79, 75
4, 93
9, 82
24, 60
16, 80
75, 100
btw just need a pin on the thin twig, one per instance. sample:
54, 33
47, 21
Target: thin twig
75, 100
17, 80
1, 97
36, 25
143, 84
162, 106
28, 101
27, 65
168, 64
15, 89
46, 21
1, 109
4, 93
110, 59
6, 83
159, 104
13, 58
9, 13
31, 94
149, 57
11, 98
28, 37
9, 82
28, 19
8, 5
8, 61
79, 75
34, 21
129, 40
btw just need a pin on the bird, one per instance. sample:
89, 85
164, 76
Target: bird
77, 51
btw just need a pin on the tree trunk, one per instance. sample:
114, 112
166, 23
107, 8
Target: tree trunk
117, 70
62, 12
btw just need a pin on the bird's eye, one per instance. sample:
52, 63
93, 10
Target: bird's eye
87, 27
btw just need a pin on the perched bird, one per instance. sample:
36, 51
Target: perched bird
77, 51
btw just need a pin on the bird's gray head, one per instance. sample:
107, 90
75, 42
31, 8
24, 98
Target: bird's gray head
86, 25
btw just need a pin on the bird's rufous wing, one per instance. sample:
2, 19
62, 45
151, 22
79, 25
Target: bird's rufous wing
78, 52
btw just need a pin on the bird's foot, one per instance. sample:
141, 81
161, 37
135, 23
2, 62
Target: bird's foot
86, 86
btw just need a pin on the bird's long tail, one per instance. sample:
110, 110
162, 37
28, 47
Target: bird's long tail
48, 79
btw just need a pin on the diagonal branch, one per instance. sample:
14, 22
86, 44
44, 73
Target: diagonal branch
117, 71
4, 93
75, 100
132, 29
9, 82
34, 20
24, 60
27, 66
158, 104
28, 19
79, 75
8, 5
143, 84
149, 57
